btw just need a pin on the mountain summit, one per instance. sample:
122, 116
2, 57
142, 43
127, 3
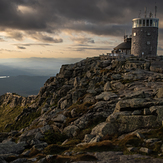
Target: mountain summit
95, 110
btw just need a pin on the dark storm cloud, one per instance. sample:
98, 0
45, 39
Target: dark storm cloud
83, 40
100, 17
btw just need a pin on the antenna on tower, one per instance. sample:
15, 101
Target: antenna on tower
155, 9
145, 12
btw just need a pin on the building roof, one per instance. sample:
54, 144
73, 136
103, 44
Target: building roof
123, 45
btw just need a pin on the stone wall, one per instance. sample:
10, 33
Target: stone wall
140, 37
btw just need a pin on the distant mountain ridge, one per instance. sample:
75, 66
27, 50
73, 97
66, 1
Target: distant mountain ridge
33, 66
22, 84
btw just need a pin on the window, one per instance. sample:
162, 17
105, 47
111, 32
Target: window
156, 23
151, 22
134, 24
134, 34
143, 23
148, 42
140, 23
147, 22
137, 24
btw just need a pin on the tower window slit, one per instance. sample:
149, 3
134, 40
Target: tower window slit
147, 22
151, 22
143, 23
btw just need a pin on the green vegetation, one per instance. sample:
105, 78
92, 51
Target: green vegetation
105, 145
8, 115
24, 121
132, 140
52, 137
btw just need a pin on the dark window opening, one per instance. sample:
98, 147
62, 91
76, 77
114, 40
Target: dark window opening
151, 22
147, 22
143, 23
140, 23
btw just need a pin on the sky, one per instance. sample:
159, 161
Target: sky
69, 28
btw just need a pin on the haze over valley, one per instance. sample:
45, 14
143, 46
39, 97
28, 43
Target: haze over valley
25, 76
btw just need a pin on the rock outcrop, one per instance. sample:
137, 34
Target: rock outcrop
84, 105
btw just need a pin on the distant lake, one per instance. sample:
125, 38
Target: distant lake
1, 77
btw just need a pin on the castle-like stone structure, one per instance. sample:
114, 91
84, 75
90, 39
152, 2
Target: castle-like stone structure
144, 37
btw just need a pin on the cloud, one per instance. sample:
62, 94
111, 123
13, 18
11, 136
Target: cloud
44, 37
15, 35
84, 48
7, 50
41, 18
2, 40
82, 40
21, 47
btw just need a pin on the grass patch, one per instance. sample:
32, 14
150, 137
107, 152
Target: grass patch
24, 121
82, 133
80, 109
8, 115
52, 137
155, 133
72, 142
132, 140
105, 145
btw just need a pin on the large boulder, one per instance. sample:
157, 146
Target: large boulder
104, 128
106, 96
107, 87
7, 147
124, 122
128, 124
160, 93
71, 130
133, 104
60, 118
117, 85
158, 110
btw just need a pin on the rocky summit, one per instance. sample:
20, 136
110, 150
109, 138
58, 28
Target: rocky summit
97, 110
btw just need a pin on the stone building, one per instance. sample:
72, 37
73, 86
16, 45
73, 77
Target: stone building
144, 37
124, 47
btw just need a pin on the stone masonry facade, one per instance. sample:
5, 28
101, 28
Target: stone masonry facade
144, 41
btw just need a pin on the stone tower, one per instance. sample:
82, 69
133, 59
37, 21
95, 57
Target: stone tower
144, 36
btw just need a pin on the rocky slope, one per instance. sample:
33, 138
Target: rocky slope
90, 109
